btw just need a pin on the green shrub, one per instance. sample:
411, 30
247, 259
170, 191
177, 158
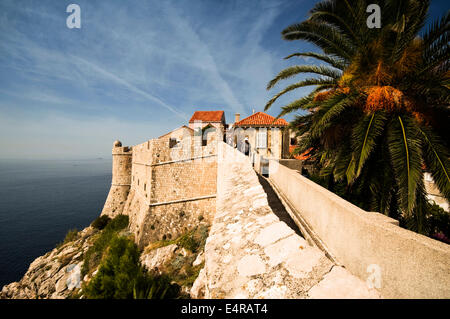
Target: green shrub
155, 287
188, 241
180, 266
118, 223
114, 277
101, 222
71, 235
202, 233
438, 222
94, 254
192, 273
120, 276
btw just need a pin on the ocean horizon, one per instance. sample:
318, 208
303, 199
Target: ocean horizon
40, 200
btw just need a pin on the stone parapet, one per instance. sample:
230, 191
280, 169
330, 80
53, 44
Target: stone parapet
400, 263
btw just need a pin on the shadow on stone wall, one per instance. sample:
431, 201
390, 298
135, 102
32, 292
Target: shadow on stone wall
277, 206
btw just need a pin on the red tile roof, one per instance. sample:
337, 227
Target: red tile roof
261, 119
207, 116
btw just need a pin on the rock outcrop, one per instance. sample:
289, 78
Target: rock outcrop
158, 257
56, 275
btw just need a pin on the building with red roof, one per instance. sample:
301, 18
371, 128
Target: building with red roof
204, 118
261, 119
261, 135
210, 123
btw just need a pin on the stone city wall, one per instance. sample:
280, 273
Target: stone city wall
171, 188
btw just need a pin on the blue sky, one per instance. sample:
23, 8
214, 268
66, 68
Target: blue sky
135, 69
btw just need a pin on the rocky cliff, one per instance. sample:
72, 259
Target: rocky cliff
59, 273
55, 275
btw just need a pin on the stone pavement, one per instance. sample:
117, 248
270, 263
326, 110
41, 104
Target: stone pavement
251, 253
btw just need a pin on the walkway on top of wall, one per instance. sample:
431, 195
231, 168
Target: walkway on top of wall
277, 205
251, 253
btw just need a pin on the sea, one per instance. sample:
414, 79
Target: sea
40, 201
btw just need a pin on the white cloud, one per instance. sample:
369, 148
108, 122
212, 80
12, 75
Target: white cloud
159, 61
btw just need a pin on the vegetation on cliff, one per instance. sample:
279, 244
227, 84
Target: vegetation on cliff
101, 222
71, 235
103, 240
121, 276
115, 264
104, 262
377, 119
185, 257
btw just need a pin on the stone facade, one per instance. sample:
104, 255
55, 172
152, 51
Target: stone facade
274, 144
166, 184
264, 136
121, 180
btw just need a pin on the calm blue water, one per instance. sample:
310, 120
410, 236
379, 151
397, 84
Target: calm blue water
40, 201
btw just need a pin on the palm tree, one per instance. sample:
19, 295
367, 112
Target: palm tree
378, 116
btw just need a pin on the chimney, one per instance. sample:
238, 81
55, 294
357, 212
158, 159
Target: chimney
253, 111
237, 117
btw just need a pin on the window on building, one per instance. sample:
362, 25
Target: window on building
173, 142
293, 141
261, 138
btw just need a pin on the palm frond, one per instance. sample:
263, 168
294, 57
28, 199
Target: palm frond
330, 109
437, 29
306, 82
303, 103
297, 69
364, 137
436, 156
328, 38
405, 152
413, 21
333, 61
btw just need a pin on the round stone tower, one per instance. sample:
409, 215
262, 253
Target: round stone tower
121, 180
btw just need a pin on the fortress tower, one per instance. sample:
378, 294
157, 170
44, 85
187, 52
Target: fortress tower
121, 180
